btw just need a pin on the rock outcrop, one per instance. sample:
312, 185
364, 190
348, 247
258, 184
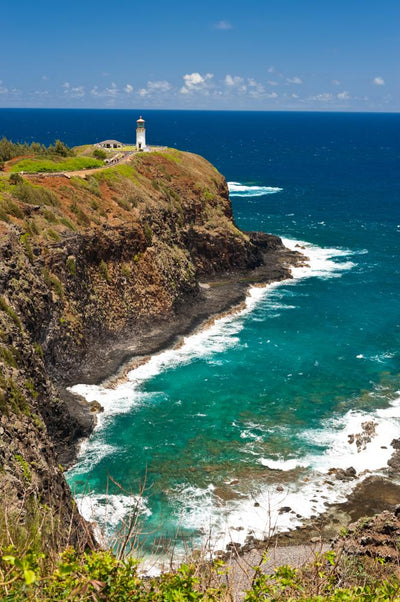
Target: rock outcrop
93, 271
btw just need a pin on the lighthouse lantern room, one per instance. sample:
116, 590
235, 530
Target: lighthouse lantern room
140, 134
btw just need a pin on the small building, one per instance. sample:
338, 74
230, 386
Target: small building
140, 135
109, 144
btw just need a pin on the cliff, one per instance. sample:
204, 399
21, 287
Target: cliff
94, 269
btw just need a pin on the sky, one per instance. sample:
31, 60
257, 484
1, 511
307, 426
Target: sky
330, 55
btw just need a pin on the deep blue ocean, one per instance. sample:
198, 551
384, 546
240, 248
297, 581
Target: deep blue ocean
250, 413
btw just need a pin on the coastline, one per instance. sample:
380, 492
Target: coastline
217, 295
228, 295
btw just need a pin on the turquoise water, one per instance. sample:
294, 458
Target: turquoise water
258, 407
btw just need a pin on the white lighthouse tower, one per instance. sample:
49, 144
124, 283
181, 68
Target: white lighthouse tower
140, 134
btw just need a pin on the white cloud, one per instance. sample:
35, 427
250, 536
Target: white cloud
233, 80
110, 92
323, 97
153, 87
336, 82
272, 83
271, 69
272, 95
195, 82
378, 81
223, 25
44, 78
128, 89
294, 80
73, 91
256, 89
160, 85
343, 95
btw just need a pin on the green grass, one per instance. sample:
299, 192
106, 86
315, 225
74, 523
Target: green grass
49, 166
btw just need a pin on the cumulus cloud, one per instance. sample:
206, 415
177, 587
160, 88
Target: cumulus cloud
378, 81
110, 92
195, 82
294, 80
255, 88
73, 91
233, 80
128, 89
223, 25
153, 87
343, 95
323, 97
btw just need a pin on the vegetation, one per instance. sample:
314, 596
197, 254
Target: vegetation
101, 576
99, 153
53, 165
10, 150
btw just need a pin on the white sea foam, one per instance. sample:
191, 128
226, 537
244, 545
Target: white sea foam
241, 190
283, 465
233, 519
109, 511
270, 510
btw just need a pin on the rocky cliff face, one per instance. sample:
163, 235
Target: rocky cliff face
93, 270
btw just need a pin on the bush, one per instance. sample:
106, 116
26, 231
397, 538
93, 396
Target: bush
15, 178
99, 153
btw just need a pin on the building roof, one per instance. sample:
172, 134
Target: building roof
110, 142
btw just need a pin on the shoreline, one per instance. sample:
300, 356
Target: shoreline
229, 294
217, 295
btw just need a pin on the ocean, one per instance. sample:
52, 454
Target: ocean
234, 432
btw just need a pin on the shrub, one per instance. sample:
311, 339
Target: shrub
103, 269
71, 265
15, 178
99, 153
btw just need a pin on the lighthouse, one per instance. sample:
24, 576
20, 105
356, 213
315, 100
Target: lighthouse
140, 134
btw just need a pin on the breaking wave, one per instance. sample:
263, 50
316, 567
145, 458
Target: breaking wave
241, 190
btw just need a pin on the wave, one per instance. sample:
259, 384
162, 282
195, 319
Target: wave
283, 507
233, 519
283, 465
108, 511
241, 190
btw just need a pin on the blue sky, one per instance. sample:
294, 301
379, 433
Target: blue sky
255, 55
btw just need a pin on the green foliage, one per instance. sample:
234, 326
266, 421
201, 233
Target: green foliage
15, 178
25, 467
14, 399
67, 223
61, 149
53, 235
38, 349
99, 153
71, 265
59, 164
33, 194
52, 281
148, 233
82, 218
24, 239
103, 269
8, 356
9, 311
125, 271
10, 208
10, 149
97, 576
